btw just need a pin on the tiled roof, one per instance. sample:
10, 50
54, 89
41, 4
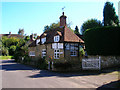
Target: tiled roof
69, 36
80, 36
33, 44
66, 35
11, 35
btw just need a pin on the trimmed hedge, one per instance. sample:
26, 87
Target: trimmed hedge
103, 41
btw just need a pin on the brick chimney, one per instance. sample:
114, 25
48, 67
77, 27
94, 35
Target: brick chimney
63, 20
9, 33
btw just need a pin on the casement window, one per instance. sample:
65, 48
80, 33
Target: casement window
56, 38
74, 46
32, 53
73, 49
67, 46
37, 41
56, 54
43, 53
43, 40
73, 53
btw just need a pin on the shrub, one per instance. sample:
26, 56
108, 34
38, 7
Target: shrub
82, 52
63, 65
103, 41
12, 50
42, 63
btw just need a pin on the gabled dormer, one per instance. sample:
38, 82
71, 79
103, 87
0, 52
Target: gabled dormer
37, 40
43, 38
57, 36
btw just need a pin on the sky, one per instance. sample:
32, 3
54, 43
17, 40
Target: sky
32, 16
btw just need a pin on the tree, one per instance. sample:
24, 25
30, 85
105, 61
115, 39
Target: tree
51, 27
109, 15
12, 49
5, 51
76, 31
92, 23
11, 45
21, 32
55, 25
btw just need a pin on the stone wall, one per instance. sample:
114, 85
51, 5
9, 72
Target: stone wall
107, 61
49, 51
110, 61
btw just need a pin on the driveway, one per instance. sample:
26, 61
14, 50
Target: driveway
15, 75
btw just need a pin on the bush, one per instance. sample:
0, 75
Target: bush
42, 63
63, 65
103, 41
12, 50
82, 52
5, 51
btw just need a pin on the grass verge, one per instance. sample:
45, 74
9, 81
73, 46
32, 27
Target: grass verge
5, 57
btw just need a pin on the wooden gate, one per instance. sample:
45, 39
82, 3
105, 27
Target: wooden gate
91, 64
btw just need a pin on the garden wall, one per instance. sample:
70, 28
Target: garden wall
107, 61
110, 61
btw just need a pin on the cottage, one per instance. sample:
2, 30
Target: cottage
60, 43
11, 35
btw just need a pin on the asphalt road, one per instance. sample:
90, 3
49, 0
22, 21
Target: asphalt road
16, 75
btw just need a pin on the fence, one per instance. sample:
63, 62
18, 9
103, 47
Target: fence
91, 64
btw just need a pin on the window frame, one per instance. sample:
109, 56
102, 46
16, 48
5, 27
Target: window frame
43, 52
31, 53
56, 38
37, 41
56, 54
74, 53
43, 40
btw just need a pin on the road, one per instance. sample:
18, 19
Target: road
16, 75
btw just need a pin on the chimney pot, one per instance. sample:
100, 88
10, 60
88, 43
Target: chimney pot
9, 32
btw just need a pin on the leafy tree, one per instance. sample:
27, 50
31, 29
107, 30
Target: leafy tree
92, 23
12, 50
5, 51
76, 31
109, 14
21, 32
11, 45
55, 25
27, 38
51, 27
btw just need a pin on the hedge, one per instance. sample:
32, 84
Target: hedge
102, 41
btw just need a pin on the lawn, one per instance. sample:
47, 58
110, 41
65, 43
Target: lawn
5, 57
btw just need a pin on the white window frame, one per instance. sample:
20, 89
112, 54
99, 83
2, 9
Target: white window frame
43, 53
56, 38
67, 46
74, 53
37, 41
43, 40
32, 53
56, 53
60, 45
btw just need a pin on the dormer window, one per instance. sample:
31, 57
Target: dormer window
37, 41
56, 38
43, 40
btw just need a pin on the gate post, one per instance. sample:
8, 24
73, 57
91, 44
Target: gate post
48, 65
99, 62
